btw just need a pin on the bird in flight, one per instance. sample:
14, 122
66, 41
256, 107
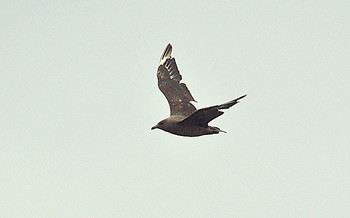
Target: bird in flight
185, 119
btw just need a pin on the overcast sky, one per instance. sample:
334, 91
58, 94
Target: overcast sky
79, 95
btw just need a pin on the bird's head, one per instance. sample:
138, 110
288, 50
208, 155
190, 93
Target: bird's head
160, 125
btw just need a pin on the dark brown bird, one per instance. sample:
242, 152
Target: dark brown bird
184, 119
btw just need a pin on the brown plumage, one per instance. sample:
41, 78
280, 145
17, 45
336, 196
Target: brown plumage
184, 119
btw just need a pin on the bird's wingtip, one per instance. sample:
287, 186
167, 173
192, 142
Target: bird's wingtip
166, 54
239, 98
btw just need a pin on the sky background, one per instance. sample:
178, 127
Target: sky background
79, 95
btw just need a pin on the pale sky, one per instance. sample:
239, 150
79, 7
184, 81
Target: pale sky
79, 95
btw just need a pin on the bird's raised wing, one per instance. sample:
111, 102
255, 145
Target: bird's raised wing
203, 116
177, 94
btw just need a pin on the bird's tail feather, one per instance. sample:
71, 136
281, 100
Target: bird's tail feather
216, 130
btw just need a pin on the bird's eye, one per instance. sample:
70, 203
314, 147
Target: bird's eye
161, 123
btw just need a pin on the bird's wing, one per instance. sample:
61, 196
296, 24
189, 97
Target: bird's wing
177, 94
203, 116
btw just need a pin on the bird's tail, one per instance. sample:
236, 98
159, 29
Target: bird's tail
216, 130
230, 103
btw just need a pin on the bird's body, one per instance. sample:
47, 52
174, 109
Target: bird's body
174, 125
184, 119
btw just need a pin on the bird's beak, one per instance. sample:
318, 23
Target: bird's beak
154, 127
